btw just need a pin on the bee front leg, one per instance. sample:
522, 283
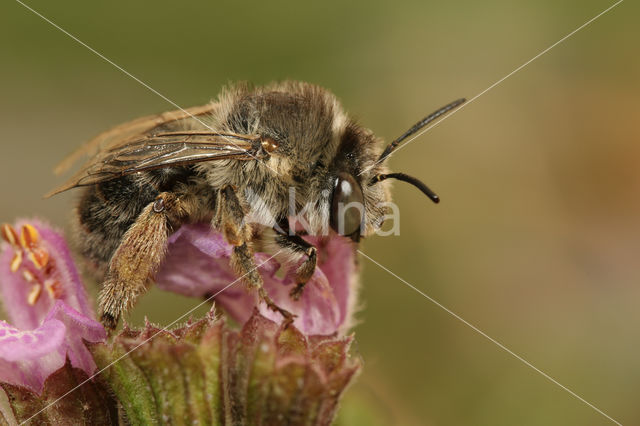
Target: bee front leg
230, 221
137, 257
244, 265
298, 245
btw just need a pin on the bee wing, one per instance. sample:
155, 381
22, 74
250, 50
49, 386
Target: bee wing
187, 118
162, 150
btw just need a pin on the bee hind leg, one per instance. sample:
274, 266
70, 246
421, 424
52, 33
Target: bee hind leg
298, 245
137, 257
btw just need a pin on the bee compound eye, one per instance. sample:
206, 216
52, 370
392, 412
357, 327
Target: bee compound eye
347, 206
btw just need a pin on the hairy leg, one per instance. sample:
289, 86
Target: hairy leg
137, 257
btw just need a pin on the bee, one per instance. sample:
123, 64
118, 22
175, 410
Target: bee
146, 178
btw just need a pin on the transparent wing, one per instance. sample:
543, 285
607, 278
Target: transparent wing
162, 150
184, 119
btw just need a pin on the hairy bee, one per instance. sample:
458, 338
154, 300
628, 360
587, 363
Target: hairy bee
146, 178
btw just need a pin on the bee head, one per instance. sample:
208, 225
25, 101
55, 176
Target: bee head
334, 166
353, 187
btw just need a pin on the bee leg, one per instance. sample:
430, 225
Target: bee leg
304, 272
137, 257
229, 219
244, 265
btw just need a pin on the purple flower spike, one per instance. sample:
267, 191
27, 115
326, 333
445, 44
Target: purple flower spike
46, 304
197, 265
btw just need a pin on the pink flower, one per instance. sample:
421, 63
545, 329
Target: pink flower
46, 304
197, 264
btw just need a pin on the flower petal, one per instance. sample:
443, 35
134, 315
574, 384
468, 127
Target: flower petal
27, 358
36, 270
16, 345
337, 260
197, 264
317, 310
78, 328
47, 305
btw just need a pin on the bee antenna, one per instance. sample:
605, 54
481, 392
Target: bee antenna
419, 125
409, 179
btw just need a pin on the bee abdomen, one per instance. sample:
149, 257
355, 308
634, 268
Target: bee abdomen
105, 212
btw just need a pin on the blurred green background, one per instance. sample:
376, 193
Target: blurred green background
535, 242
